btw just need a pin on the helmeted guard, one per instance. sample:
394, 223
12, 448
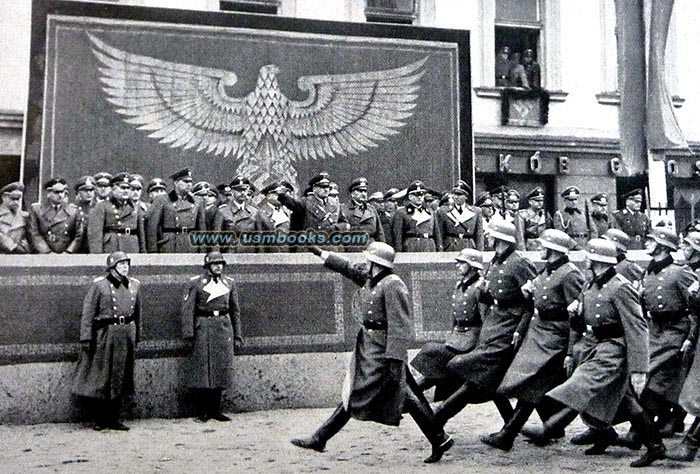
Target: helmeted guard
14, 222
628, 269
362, 216
378, 385
172, 216
55, 225
239, 214
531, 222
631, 220
571, 219
460, 223
109, 332
599, 217
273, 216
538, 365
211, 323
115, 224
416, 227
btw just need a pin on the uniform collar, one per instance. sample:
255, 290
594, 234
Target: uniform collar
550, 267
694, 265
655, 266
379, 277
502, 258
117, 282
604, 277
468, 281
572, 210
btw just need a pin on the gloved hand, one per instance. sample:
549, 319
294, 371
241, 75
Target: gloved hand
527, 289
569, 365
639, 380
395, 367
516, 340
574, 307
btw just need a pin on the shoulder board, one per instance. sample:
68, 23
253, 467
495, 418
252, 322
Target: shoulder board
135, 280
95, 280
622, 278
194, 278
571, 266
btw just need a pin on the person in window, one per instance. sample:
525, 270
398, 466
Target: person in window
503, 66
532, 69
517, 75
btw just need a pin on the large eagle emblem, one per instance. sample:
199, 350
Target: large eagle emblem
187, 106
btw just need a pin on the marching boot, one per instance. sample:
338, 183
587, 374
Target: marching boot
326, 431
114, 423
215, 406
101, 412
505, 409
453, 405
551, 428
603, 439
688, 448
630, 441
674, 423
651, 438
419, 409
503, 440
424, 383
202, 404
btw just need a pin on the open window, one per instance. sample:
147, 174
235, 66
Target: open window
517, 33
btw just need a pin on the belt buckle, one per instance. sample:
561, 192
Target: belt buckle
425, 236
122, 320
461, 236
127, 231
184, 230
589, 328
215, 312
52, 237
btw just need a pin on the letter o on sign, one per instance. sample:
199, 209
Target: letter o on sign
615, 166
672, 167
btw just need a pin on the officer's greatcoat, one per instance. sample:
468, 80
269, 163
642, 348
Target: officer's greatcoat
170, 219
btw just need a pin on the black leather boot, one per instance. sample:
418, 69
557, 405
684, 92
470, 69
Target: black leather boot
453, 405
504, 439
551, 428
418, 407
505, 409
688, 448
326, 431
114, 407
215, 406
603, 439
649, 434
630, 441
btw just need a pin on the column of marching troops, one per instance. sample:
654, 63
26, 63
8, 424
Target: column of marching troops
611, 344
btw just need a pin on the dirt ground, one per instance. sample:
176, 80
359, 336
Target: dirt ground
259, 442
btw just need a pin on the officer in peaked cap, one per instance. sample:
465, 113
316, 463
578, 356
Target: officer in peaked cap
532, 221
85, 201
211, 323
376, 199
512, 202
240, 213
415, 227
13, 221
208, 195
272, 215
631, 220
538, 364
55, 225
173, 215
225, 193
499, 197
386, 215
156, 187
599, 220
103, 186
572, 219
109, 334
460, 223
361, 216
482, 369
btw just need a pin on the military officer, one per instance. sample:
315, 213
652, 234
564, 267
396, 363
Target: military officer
531, 222
631, 220
512, 203
361, 216
538, 365
13, 221
376, 200
599, 217
103, 186
415, 227
173, 215
391, 204
378, 386
109, 333
55, 226
571, 219
225, 194
211, 322
482, 369
460, 224
272, 216
208, 195
136, 192
689, 399
499, 198
156, 187
611, 371
485, 203
503, 67
239, 214
85, 201
115, 224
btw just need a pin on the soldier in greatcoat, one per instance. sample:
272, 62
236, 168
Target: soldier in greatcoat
611, 367
273, 216
211, 323
539, 364
571, 219
115, 223
172, 216
378, 385
488, 210
239, 214
482, 369
361, 216
109, 333
85, 202
460, 224
55, 225
631, 220
416, 227
531, 222
208, 195
103, 186
156, 187
690, 394
13, 221
386, 216
599, 218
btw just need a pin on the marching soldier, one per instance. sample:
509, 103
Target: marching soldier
415, 227
690, 395
103, 186
272, 216
631, 220
378, 385
173, 215
482, 369
239, 214
13, 221
460, 224
630, 270
531, 222
599, 221
109, 332
361, 216
538, 365
55, 226
115, 224
611, 369
571, 219
211, 323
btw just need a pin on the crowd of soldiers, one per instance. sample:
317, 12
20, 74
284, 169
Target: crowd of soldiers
110, 213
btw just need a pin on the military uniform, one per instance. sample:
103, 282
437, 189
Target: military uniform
239, 218
315, 213
416, 230
13, 231
56, 230
272, 218
116, 225
573, 222
460, 228
364, 218
170, 219
634, 224
690, 394
529, 225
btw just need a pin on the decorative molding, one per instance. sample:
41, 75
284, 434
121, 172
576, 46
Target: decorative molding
545, 143
12, 119
496, 92
613, 98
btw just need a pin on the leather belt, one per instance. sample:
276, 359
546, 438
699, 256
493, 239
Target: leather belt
667, 317
553, 314
176, 230
374, 324
119, 230
459, 236
211, 314
608, 331
463, 324
417, 236
119, 320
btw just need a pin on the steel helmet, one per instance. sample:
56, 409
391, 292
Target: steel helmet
502, 231
693, 239
664, 236
471, 256
214, 257
621, 240
601, 250
380, 253
116, 257
556, 240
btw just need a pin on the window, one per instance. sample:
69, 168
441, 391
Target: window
269, 7
391, 11
518, 29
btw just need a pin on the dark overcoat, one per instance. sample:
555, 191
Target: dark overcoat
168, 221
416, 230
529, 224
690, 395
239, 219
116, 225
54, 230
574, 223
635, 224
364, 218
460, 228
273, 218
